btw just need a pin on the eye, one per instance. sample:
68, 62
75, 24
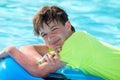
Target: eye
53, 29
44, 34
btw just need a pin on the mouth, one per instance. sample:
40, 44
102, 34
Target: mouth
56, 43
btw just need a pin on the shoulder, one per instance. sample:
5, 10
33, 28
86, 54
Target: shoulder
81, 32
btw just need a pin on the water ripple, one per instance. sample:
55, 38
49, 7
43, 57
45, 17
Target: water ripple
100, 18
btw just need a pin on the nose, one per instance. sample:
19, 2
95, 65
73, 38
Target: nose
50, 36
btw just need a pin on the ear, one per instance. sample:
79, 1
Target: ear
68, 25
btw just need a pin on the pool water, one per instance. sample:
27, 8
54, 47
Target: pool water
101, 18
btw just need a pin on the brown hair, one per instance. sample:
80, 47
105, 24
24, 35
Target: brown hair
48, 14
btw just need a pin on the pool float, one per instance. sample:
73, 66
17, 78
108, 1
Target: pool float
11, 70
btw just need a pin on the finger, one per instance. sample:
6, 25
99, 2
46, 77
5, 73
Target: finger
56, 56
51, 54
42, 60
50, 59
4, 55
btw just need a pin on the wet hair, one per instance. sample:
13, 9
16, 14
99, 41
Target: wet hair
48, 14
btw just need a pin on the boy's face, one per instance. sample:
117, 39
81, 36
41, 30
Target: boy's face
54, 34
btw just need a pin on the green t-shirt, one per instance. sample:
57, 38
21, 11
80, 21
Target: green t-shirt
84, 52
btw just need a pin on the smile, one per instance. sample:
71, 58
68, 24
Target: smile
55, 43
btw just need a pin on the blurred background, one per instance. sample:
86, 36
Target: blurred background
101, 18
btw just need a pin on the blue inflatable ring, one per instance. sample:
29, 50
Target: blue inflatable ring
10, 70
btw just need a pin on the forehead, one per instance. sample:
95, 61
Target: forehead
50, 24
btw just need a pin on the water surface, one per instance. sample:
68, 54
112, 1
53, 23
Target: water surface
101, 18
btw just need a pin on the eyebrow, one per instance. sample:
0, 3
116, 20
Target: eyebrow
52, 26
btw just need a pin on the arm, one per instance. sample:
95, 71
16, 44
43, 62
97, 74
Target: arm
41, 50
28, 57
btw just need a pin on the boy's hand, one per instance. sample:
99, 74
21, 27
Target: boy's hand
3, 55
5, 52
50, 57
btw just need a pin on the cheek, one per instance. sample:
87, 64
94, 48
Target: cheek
57, 32
62, 37
47, 44
46, 41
